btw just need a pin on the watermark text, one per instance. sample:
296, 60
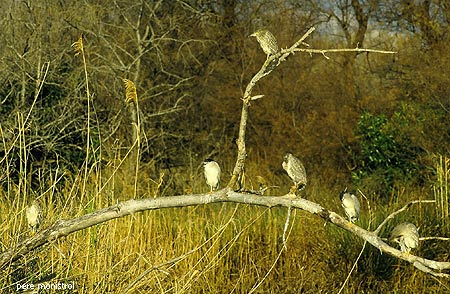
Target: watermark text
46, 286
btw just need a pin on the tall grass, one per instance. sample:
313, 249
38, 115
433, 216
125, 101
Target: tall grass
131, 98
79, 50
219, 248
441, 189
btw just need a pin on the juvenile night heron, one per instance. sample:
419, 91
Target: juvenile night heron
212, 173
407, 235
34, 215
267, 41
351, 205
295, 170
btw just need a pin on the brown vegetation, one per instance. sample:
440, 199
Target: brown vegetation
373, 121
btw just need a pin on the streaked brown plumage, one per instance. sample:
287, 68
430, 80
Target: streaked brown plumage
295, 169
267, 41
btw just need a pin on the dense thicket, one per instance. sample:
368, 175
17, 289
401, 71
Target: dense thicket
365, 115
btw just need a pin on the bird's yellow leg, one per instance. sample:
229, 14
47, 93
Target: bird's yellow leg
293, 189
291, 194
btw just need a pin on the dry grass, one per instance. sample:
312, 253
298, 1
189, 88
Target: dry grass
220, 248
441, 193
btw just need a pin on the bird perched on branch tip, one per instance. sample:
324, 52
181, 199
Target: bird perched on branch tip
212, 173
351, 205
267, 41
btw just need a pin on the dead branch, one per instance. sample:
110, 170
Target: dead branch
434, 238
392, 215
269, 65
63, 228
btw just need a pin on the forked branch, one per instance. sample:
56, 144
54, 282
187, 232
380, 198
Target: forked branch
269, 65
392, 215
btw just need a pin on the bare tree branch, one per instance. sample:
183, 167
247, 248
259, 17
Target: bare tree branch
269, 65
434, 238
392, 215
63, 228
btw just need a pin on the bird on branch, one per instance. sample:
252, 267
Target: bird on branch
407, 235
212, 174
267, 41
351, 205
34, 215
295, 170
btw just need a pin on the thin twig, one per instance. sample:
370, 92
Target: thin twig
353, 267
392, 215
286, 226
149, 270
434, 238
337, 50
272, 267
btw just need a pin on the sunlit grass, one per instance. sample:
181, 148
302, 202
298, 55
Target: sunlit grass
217, 248
441, 193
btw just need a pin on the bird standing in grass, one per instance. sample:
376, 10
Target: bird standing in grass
212, 174
351, 205
34, 215
295, 170
407, 235
267, 41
